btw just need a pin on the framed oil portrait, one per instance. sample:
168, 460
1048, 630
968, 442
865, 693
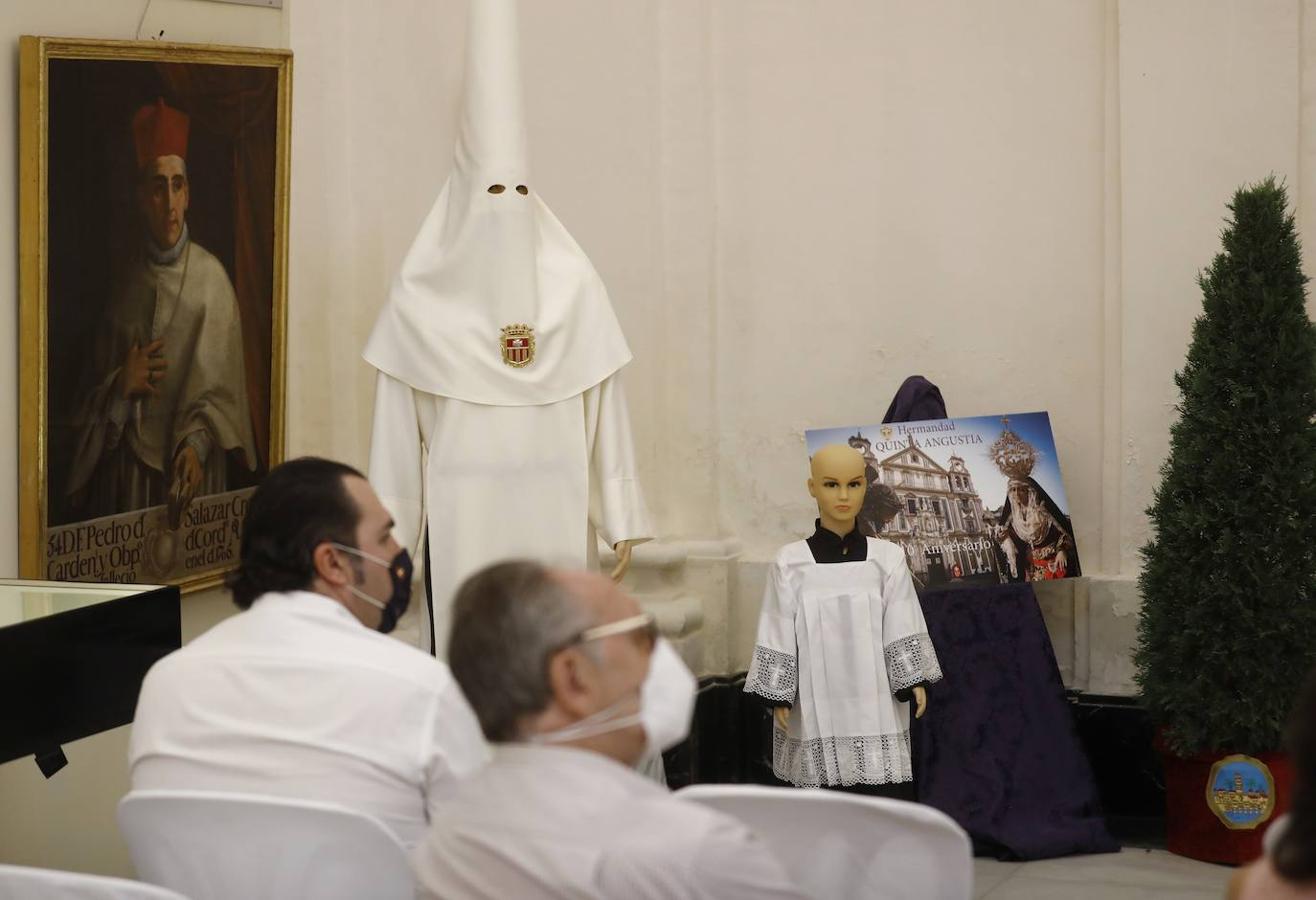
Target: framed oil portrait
153, 280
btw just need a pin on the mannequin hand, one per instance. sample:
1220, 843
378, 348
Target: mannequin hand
623, 549
780, 715
920, 702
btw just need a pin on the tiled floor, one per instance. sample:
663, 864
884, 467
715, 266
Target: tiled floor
1128, 875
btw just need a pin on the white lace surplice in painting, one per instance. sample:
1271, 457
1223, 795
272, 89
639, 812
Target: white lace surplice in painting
837, 641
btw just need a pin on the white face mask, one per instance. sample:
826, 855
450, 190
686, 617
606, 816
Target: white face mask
666, 701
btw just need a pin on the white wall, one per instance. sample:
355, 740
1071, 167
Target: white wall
794, 205
904, 189
1210, 101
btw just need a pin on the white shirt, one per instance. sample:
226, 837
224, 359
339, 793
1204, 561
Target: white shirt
296, 698
561, 822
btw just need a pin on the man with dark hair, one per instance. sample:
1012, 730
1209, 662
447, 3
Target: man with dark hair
570, 680
301, 695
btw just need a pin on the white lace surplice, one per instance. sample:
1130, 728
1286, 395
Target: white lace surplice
837, 641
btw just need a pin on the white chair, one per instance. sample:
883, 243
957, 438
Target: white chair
845, 846
217, 846
23, 883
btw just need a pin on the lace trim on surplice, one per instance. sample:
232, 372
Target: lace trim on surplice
864, 759
772, 674
910, 661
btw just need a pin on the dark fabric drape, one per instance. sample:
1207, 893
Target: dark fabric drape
998, 751
240, 105
916, 400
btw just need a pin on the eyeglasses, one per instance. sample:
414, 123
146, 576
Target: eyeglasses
643, 621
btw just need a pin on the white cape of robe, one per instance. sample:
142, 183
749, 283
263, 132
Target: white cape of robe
837, 641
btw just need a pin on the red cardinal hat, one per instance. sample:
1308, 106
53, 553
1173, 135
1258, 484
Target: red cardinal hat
159, 130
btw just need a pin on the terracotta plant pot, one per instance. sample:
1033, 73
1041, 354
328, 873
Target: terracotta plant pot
1194, 830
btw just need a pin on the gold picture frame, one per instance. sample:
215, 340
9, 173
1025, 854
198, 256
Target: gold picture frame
153, 245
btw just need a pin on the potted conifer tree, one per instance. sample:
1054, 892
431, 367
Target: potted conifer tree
1228, 621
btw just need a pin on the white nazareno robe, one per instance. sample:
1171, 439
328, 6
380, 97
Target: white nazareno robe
499, 419
496, 482
837, 641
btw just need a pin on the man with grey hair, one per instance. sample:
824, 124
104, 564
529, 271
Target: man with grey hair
572, 685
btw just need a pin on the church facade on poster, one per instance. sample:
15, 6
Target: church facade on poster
941, 522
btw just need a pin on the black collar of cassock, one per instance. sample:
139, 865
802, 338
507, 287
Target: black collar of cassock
828, 547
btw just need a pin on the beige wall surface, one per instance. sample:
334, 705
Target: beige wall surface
904, 189
1210, 101
794, 206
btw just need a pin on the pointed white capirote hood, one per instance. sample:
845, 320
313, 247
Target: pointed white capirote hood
492, 141
491, 256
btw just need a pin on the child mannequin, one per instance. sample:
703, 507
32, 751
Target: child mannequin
842, 646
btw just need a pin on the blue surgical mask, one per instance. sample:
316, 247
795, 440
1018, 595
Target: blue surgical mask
399, 571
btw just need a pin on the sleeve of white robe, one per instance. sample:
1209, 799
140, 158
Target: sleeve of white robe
910, 657
396, 456
774, 669
616, 502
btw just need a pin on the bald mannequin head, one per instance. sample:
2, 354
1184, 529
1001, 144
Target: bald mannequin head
836, 481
